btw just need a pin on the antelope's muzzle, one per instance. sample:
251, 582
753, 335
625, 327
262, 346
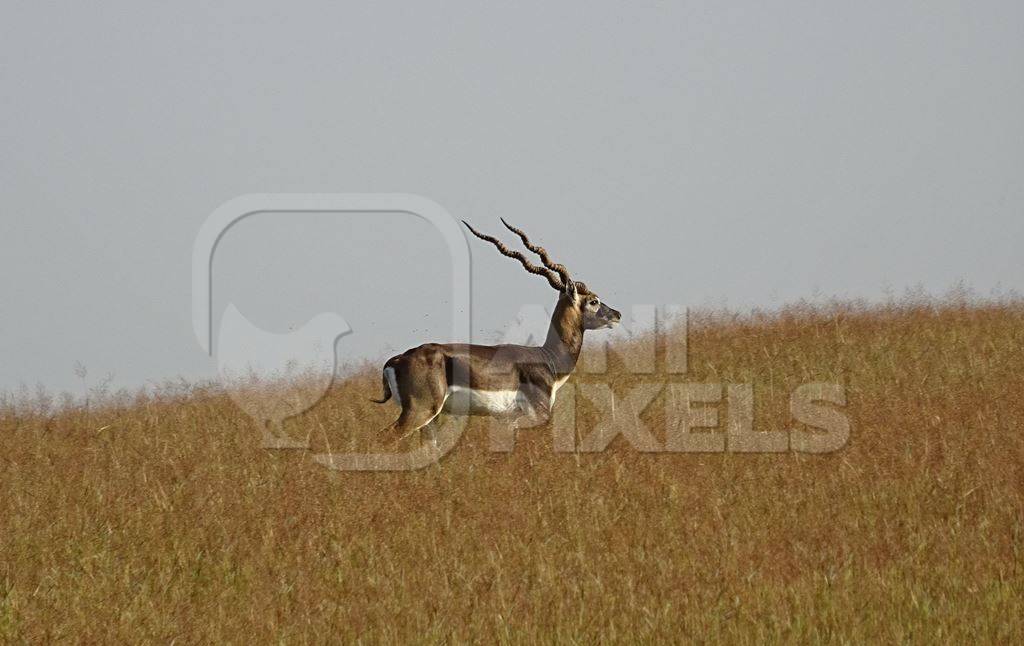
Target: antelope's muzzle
609, 316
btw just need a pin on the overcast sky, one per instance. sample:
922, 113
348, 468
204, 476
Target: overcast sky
742, 153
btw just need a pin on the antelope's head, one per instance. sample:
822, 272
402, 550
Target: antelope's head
596, 315
584, 305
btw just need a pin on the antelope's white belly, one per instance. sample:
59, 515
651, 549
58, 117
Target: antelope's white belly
554, 388
481, 402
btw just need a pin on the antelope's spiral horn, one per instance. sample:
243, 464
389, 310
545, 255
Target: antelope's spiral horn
562, 272
529, 266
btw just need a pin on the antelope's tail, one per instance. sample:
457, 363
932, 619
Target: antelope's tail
386, 383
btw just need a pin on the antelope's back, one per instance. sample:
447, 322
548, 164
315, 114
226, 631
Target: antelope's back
493, 367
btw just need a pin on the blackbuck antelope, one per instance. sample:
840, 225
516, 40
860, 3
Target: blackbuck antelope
516, 382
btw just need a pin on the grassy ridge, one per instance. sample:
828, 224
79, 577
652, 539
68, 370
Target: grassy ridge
161, 519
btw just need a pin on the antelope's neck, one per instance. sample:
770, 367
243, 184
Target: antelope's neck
565, 338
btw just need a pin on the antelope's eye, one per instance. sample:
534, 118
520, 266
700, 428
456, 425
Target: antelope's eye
593, 303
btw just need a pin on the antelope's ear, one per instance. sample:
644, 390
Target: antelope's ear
570, 290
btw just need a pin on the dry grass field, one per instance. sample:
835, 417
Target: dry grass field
159, 519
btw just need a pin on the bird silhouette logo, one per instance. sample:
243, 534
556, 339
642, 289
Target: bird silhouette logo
276, 376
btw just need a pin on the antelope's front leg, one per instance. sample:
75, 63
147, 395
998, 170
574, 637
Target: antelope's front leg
534, 409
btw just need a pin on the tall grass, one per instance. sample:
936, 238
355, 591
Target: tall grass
158, 518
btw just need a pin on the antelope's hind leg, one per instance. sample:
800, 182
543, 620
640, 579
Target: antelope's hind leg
415, 416
423, 395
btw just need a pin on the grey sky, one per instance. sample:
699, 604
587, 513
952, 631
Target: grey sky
685, 153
